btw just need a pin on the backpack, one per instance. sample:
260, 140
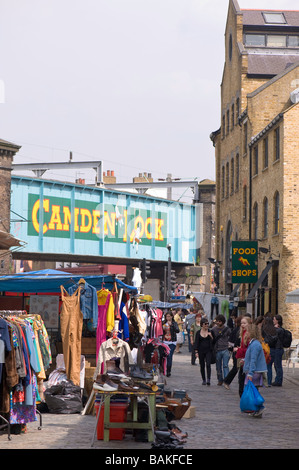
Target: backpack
286, 338
270, 340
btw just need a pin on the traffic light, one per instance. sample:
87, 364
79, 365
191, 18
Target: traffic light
145, 270
172, 280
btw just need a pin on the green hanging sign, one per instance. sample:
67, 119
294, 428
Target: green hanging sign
244, 262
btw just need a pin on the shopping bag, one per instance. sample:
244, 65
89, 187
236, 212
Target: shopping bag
251, 399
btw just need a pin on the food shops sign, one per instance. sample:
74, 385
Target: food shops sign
244, 262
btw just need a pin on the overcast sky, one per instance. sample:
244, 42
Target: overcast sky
134, 83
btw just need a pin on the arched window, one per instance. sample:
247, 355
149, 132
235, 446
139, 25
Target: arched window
276, 212
255, 221
265, 218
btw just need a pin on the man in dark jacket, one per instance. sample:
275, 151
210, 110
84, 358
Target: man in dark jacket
221, 335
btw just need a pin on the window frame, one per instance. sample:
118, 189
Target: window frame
276, 138
255, 160
276, 212
265, 218
281, 14
265, 152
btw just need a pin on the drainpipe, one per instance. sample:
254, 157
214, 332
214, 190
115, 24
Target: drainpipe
250, 192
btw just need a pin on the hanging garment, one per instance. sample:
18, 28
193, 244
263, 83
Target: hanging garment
71, 322
5, 345
105, 316
88, 301
108, 351
123, 326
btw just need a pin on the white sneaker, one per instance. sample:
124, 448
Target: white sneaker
105, 387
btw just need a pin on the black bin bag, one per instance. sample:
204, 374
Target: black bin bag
64, 398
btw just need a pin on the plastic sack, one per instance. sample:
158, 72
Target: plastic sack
64, 398
251, 399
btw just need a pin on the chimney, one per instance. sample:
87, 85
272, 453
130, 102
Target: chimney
143, 178
109, 178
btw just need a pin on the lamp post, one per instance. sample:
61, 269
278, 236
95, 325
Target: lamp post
169, 273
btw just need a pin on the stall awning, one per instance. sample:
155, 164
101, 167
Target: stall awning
50, 280
292, 297
7, 240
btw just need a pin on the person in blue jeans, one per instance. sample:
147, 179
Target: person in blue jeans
276, 354
170, 330
221, 334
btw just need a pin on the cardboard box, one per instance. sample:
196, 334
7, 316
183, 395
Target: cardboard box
190, 413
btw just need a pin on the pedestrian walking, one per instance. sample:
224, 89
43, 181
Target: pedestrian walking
276, 354
234, 340
195, 327
189, 320
203, 347
221, 334
240, 354
254, 362
170, 330
180, 322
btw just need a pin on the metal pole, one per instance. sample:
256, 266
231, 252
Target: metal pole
169, 274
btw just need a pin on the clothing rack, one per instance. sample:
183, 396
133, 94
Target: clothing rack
20, 314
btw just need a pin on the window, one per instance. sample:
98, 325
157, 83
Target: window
237, 172
245, 138
245, 202
227, 180
230, 47
276, 144
223, 126
265, 153
232, 176
276, 213
255, 221
255, 160
223, 182
237, 108
255, 40
227, 122
293, 41
274, 18
276, 41
233, 116
265, 218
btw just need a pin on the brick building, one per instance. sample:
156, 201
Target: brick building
257, 155
7, 152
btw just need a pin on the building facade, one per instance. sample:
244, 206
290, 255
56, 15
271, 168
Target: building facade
7, 152
257, 155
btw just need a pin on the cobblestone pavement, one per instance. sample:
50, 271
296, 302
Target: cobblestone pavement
218, 423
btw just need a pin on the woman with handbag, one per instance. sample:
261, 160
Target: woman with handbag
170, 330
254, 362
203, 346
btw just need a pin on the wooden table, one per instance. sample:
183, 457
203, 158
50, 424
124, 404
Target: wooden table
149, 398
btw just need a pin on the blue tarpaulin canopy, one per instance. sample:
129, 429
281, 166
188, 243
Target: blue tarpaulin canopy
50, 280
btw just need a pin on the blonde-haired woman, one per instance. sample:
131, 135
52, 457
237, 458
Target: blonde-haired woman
255, 364
240, 354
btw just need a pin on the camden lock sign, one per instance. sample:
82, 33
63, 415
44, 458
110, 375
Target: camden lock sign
244, 262
88, 221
